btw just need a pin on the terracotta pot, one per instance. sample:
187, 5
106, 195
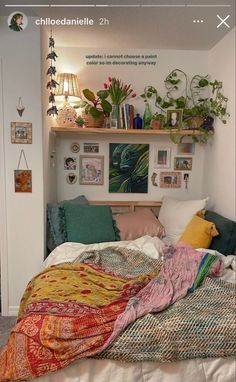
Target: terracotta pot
156, 125
91, 122
196, 122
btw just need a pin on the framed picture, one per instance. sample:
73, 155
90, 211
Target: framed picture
183, 163
21, 132
174, 118
186, 148
91, 169
162, 158
70, 163
91, 148
23, 180
170, 179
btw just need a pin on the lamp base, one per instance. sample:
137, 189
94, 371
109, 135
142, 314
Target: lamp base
66, 115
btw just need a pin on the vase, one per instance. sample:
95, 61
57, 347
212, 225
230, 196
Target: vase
156, 124
138, 122
115, 117
147, 117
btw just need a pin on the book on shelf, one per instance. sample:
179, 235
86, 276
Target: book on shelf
127, 116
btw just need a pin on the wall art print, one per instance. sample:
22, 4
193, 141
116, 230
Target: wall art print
128, 168
91, 170
21, 132
170, 179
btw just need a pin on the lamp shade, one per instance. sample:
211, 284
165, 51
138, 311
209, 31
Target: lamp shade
68, 87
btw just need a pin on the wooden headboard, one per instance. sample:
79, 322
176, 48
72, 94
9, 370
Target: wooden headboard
131, 206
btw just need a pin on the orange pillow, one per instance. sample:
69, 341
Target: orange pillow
199, 233
133, 225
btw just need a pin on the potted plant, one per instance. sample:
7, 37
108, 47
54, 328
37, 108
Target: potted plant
79, 121
200, 99
95, 107
157, 121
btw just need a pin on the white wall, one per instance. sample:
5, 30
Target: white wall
220, 171
20, 54
73, 60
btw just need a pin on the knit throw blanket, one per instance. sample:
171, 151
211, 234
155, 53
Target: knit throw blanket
125, 306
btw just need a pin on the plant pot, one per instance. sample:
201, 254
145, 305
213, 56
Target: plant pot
91, 122
156, 125
196, 122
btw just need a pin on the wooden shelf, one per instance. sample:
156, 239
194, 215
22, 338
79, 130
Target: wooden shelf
86, 131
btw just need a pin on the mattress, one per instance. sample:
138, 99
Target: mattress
103, 370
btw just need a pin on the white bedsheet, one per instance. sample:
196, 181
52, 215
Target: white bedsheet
93, 370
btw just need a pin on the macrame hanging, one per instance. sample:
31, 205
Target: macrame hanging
52, 84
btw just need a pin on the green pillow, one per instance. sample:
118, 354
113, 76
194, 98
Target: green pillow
225, 242
89, 224
56, 230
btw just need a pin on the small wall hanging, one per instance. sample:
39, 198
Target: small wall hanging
21, 132
162, 157
170, 179
186, 180
186, 148
91, 148
153, 179
23, 178
91, 170
75, 147
183, 163
51, 72
20, 108
71, 178
70, 163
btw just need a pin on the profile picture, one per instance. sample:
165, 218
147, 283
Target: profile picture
174, 118
70, 163
17, 21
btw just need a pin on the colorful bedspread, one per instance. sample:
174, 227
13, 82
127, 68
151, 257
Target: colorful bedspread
71, 311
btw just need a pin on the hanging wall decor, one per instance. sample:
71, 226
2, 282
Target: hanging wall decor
71, 178
23, 178
21, 132
170, 179
128, 168
75, 147
51, 72
20, 108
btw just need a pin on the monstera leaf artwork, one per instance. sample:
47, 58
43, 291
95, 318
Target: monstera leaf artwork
128, 169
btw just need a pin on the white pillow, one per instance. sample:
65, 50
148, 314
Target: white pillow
175, 215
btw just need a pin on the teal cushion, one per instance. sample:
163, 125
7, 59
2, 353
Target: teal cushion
56, 226
225, 242
89, 224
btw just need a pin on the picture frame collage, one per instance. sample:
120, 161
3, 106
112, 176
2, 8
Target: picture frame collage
182, 165
89, 165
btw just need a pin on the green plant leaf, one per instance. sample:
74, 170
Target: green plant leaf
203, 83
95, 113
82, 104
103, 94
106, 106
89, 95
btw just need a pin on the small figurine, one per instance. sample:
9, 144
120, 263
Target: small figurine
52, 56
52, 110
51, 70
51, 42
52, 84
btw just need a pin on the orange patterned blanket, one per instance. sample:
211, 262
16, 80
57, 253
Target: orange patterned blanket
67, 312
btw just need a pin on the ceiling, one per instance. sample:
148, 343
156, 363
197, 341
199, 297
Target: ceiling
136, 23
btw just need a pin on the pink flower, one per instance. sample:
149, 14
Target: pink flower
109, 79
134, 95
105, 86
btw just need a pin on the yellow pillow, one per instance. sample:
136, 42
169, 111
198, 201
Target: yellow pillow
199, 233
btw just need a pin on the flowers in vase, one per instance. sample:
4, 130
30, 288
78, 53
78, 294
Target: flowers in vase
118, 91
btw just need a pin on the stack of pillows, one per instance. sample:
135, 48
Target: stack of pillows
77, 221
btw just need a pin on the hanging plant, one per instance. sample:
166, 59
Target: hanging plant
51, 72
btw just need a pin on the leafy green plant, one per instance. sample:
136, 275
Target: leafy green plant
95, 105
79, 121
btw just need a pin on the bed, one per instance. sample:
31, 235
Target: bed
208, 356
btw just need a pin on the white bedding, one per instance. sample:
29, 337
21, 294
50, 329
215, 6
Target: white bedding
93, 370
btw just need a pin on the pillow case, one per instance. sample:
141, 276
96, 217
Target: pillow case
89, 224
176, 214
56, 230
133, 225
199, 233
226, 241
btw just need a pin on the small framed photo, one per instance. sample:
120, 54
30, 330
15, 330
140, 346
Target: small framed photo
170, 179
183, 163
23, 180
70, 163
162, 157
174, 118
186, 148
21, 132
91, 148
91, 170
